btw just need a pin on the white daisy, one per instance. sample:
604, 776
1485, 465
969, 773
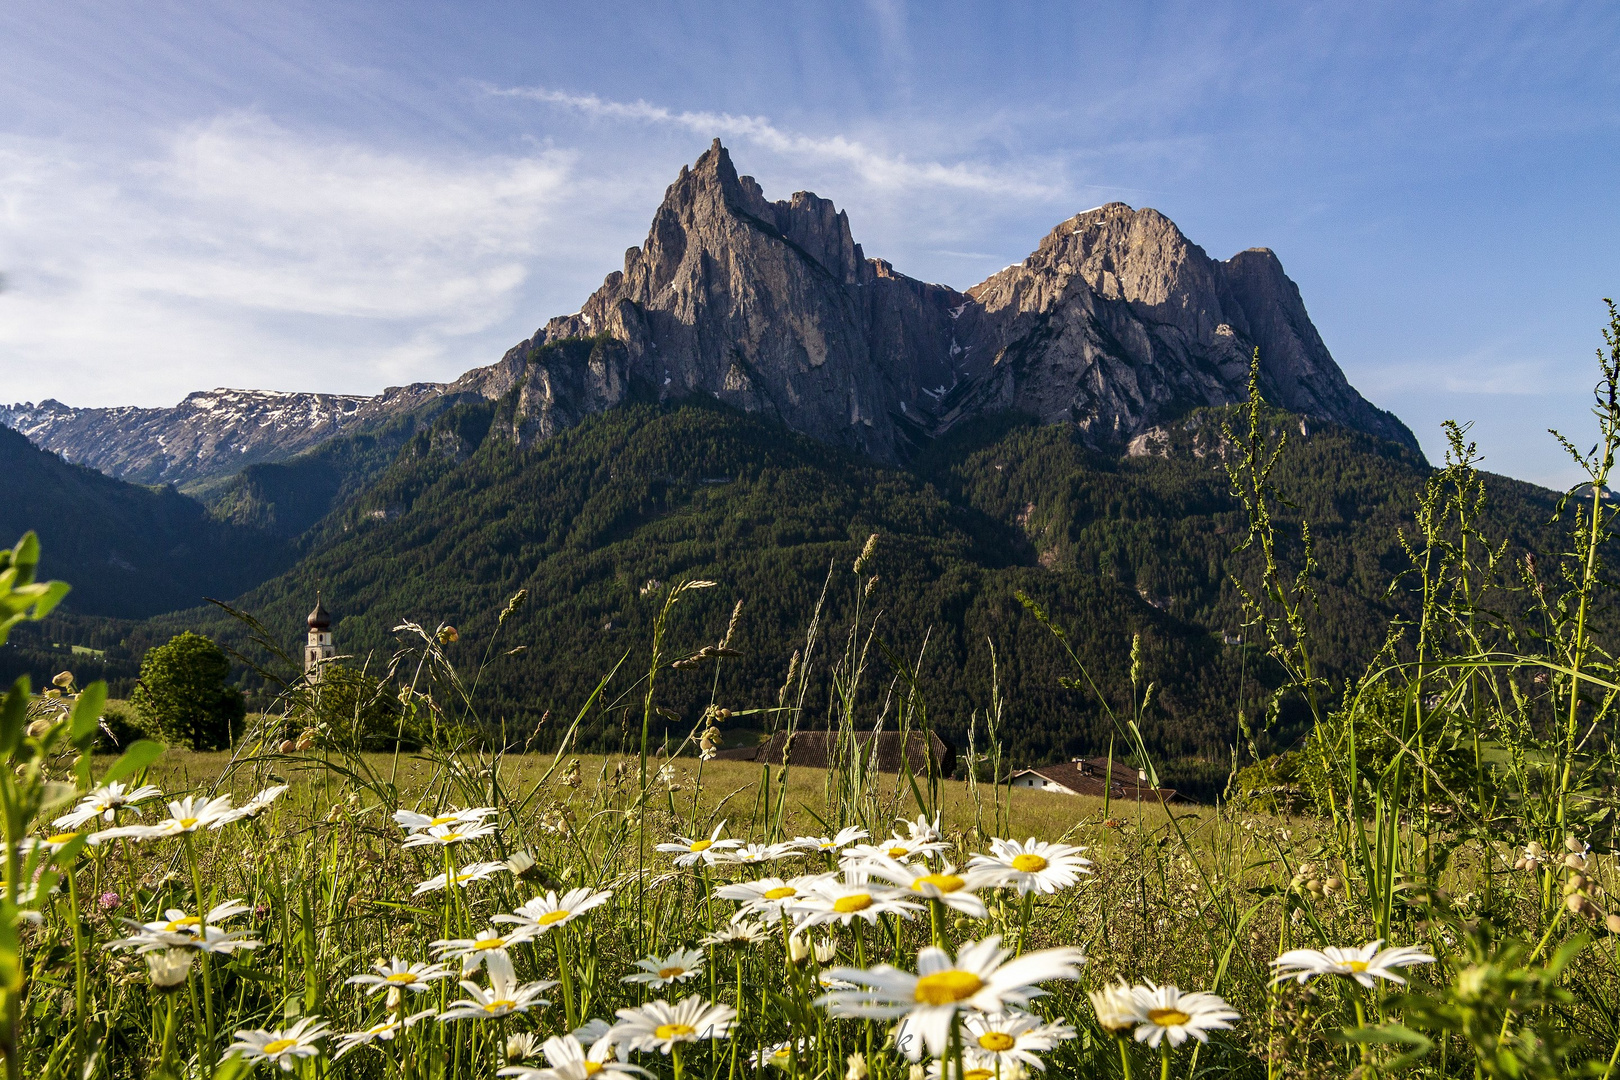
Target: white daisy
780, 1056
743, 932
689, 852
176, 929
756, 854
660, 971
399, 974
1364, 964
980, 979
1169, 1013
568, 1059
282, 1047
477, 871
1014, 1037
506, 995
1034, 865
52, 844
1116, 1007
548, 912
847, 835
169, 968
848, 898
185, 815
977, 1066
659, 1026
475, 950
383, 1030
253, 807
521, 1045
411, 821
455, 832
105, 802
954, 890
767, 897
895, 848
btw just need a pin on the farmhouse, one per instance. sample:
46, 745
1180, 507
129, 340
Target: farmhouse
1093, 776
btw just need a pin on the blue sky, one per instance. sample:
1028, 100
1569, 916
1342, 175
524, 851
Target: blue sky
343, 196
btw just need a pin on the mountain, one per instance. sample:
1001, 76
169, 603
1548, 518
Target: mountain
128, 551
210, 433
1116, 324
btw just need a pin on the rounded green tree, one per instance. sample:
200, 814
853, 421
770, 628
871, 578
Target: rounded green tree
183, 695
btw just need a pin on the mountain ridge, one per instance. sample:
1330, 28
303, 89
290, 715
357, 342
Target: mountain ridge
1115, 323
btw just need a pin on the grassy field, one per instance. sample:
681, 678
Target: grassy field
729, 790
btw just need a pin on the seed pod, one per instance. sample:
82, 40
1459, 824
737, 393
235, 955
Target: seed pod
1613, 923
287, 746
1573, 844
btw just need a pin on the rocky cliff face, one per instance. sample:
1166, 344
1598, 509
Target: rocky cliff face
1116, 323
210, 433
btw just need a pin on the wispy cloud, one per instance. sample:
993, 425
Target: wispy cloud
894, 172
239, 252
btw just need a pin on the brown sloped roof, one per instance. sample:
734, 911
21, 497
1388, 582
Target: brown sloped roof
1091, 777
815, 749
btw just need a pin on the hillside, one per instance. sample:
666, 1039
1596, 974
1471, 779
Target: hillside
467, 515
129, 551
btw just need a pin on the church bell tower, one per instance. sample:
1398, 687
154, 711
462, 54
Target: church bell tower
319, 647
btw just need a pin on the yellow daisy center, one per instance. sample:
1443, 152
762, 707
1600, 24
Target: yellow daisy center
443, 819
977, 1074
671, 972
1168, 1017
592, 1068
1028, 864
700, 845
781, 892
552, 918
1357, 966
403, 977
61, 838
188, 823
942, 882
276, 1046
947, 987
898, 852
485, 944
500, 1005
673, 1031
451, 837
997, 1041
182, 922
846, 905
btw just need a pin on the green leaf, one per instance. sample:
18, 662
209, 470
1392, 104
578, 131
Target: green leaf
139, 755
13, 717
87, 713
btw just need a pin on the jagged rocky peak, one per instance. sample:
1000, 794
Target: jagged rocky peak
1117, 321
770, 306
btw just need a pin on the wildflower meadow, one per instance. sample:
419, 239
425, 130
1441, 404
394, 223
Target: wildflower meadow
1427, 890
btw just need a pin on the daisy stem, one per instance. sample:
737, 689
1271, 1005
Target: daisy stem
1023, 929
675, 1057
1124, 1057
955, 1048
166, 1058
731, 1072
567, 979
205, 1055
1164, 1060
933, 920
79, 979
1361, 1022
